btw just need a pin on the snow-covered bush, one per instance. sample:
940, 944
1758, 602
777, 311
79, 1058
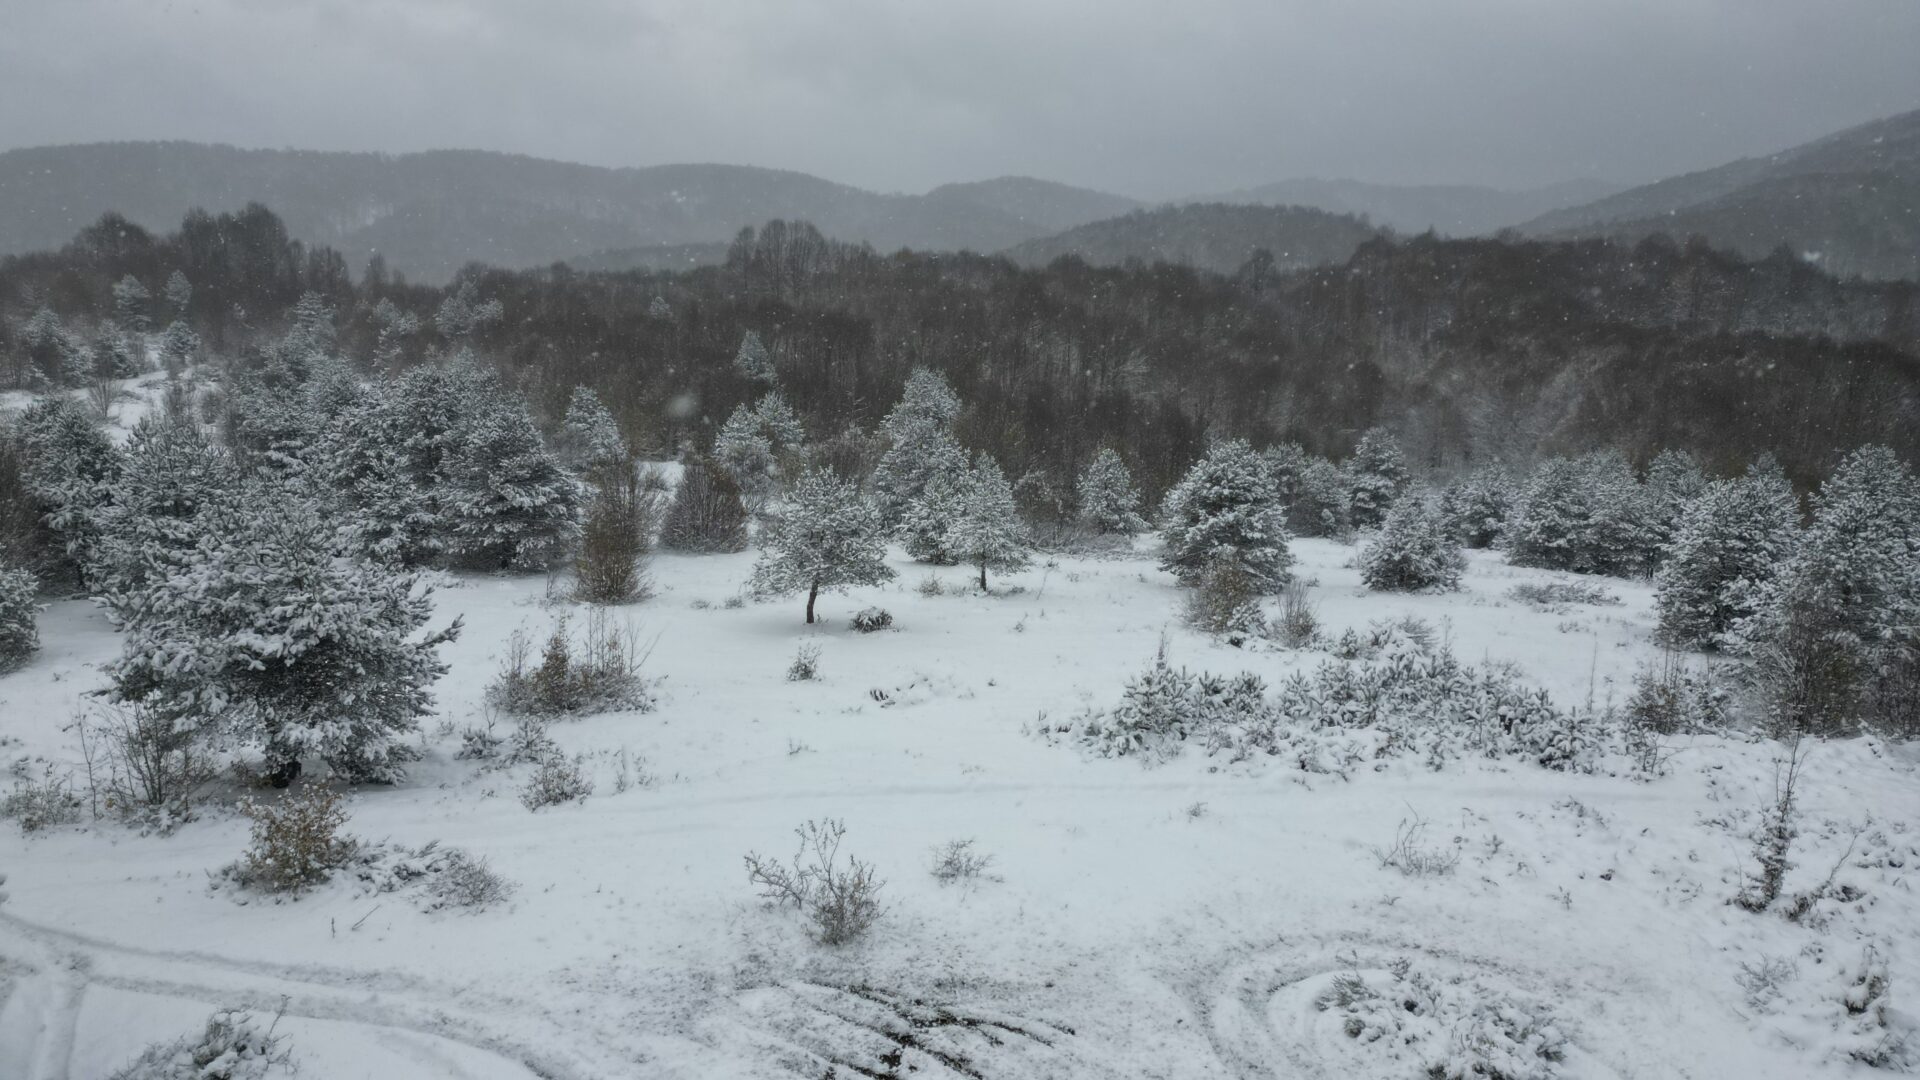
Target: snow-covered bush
1109, 503
1557, 595
869, 620
830, 539
296, 841
842, 898
1299, 623
236, 1045
1834, 637
146, 764
1726, 547
1413, 551
1443, 1028
958, 861
556, 779
1476, 507
806, 663
985, 531
599, 673
1226, 508
615, 542
1226, 603
19, 608
265, 632
42, 803
1313, 491
1871, 1032
706, 514
1670, 696
1376, 475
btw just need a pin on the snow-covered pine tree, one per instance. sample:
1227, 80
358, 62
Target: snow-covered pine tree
1312, 489
1674, 480
706, 514
591, 443
118, 353
131, 302
55, 358
830, 538
265, 634
178, 292
660, 310
19, 638
1476, 507
782, 427
920, 431
926, 523
1587, 515
508, 503
1376, 474
746, 455
393, 329
170, 485
1109, 504
361, 465
1226, 508
1835, 639
1724, 552
179, 347
68, 466
753, 360
986, 532
463, 314
1414, 550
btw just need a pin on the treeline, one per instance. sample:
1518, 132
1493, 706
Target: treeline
1469, 351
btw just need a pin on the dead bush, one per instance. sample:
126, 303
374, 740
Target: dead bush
596, 674
840, 897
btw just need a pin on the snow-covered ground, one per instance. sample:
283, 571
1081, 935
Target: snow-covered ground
1173, 920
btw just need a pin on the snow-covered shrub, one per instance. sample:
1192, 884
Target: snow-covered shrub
1833, 639
870, 620
1412, 856
1226, 603
1226, 507
830, 539
615, 542
42, 803
1726, 547
526, 741
556, 779
842, 898
985, 531
1871, 1032
236, 1045
441, 878
19, 637
1556, 595
706, 514
1413, 551
1669, 696
957, 861
1109, 503
296, 841
599, 673
146, 763
1299, 623
1476, 507
1444, 1028
1773, 836
1376, 476
806, 663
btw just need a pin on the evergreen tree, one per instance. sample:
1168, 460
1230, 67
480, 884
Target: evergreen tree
1476, 508
178, 292
1312, 489
830, 539
922, 446
591, 443
615, 541
508, 503
1725, 550
393, 329
1109, 505
926, 523
753, 360
1674, 481
117, 355
1835, 638
130, 304
55, 359
68, 466
1587, 515
179, 347
746, 455
361, 464
171, 485
986, 531
1414, 550
463, 314
706, 514
1225, 509
264, 634
1376, 475
19, 638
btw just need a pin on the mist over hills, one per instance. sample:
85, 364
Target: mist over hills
1849, 201
1449, 209
1208, 236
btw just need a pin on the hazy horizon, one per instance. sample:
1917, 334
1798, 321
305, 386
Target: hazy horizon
1128, 98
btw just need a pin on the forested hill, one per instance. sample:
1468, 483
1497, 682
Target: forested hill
430, 213
1468, 350
1208, 236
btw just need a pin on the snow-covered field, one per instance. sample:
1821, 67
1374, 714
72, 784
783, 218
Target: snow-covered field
1173, 920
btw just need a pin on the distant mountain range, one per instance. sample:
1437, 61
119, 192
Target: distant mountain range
431, 213
1210, 236
1849, 201
1451, 210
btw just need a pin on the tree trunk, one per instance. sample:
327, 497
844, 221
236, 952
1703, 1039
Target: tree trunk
983, 576
812, 594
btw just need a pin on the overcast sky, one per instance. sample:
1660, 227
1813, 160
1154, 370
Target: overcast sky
1149, 99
